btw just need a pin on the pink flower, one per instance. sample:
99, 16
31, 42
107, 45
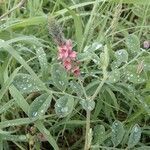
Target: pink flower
62, 52
73, 55
76, 71
67, 64
68, 58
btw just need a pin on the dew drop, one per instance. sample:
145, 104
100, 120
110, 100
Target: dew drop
42, 111
34, 114
135, 129
65, 109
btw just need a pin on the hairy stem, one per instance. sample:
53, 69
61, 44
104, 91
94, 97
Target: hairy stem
88, 114
87, 137
99, 88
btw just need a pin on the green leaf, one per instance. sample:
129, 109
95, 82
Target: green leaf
121, 55
93, 47
19, 138
140, 10
15, 54
76, 88
98, 108
88, 104
117, 132
25, 83
114, 76
86, 56
19, 99
40, 105
99, 134
145, 61
133, 44
132, 75
25, 106
135, 136
59, 77
91, 87
64, 106
15, 122
43, 61
115, 64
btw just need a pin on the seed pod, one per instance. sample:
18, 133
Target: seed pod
55, 31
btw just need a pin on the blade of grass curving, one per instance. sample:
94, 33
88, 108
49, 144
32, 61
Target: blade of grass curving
6, 106
8, 82
63, 11
24, 23
15, 122
98, 108
46, 134
89, 24
26, 39
19, 99
113, 97
83, 4
19, 138
14, 53
42, 19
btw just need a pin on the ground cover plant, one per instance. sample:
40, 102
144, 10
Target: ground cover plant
75, 74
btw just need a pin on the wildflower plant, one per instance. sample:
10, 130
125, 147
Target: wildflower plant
66, 55
93, 94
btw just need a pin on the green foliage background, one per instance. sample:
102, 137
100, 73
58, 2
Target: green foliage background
44, 107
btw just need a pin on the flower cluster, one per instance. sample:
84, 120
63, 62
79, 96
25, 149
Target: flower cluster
68, 57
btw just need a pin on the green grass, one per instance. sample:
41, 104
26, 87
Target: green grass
43, 107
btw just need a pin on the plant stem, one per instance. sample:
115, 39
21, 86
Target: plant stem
88, 114
99, 88
84, 92
87, 137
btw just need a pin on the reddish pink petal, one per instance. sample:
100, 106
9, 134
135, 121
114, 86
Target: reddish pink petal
65, 54
67, 64
68, 58
76, 71
68, 67
62, 54
73, 55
